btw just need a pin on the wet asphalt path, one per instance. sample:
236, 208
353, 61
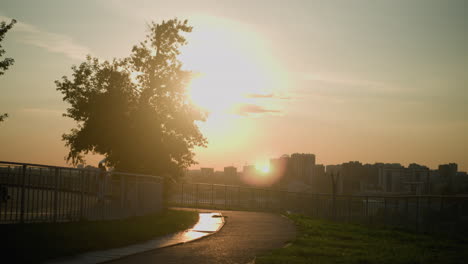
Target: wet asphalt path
244, 236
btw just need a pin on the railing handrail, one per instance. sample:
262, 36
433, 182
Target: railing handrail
79, 169
330, 194
136, 174
45, 166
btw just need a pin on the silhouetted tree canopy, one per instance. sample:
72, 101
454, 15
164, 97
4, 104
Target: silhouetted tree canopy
135, 110
6, 62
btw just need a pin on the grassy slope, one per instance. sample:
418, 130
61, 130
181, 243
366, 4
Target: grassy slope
327, 242
37, 242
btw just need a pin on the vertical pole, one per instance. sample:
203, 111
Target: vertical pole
55, 199
429, 212
69, 193
123, 196
252, 197
225, 196
454, 213
238, 196
137, 191
316, 205
441, 210
81, 176
196, 195
417, 214
23, 182
349, 209
367, 208
212, 194
268, 197
41, 184
441, 204
406, 211
385, 210
182, 195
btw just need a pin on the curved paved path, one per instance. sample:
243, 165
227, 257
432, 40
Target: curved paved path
245, 235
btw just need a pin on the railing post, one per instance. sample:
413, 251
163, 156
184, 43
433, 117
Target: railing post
238, 196
182, 194
212, 194
417, 213
56, 195
427, 218
225, 196
367, 209
252, 197
122, 193
454, 213
137, 194
441, 209
349, 209
268, 198
406, 211
81, 193
23, 182
316, 205
196, 195
385, 210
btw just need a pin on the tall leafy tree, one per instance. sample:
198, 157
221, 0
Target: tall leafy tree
135, 110
5, 63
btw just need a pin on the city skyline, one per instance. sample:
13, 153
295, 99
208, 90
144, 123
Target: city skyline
262, 162
372, 81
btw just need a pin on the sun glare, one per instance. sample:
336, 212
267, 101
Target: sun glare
232, 63
263, 166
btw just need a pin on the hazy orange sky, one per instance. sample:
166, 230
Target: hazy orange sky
374, 81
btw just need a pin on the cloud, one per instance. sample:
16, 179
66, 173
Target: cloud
52, 42
252, 109
342, 80
268, 96
259, 95
339, 88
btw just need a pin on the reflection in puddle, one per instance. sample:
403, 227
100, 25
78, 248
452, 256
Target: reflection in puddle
208, 223
191, 235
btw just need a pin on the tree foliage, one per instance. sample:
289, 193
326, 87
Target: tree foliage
135, 110
6, 62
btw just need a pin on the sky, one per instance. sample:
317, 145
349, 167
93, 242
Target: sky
373, 81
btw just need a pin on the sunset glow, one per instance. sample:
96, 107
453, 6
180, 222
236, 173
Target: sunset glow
372, 82
231, 65
263, 167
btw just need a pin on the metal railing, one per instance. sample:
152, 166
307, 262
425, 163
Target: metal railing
42, 193
446, 214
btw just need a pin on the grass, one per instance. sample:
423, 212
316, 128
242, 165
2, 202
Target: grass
321, 242
33, 243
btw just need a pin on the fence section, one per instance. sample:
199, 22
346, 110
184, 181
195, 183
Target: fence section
446, 214
41, 193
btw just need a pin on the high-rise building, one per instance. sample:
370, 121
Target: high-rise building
297, 167
248, 169
390, 177
279, 169
417, 180
230, 175
319, 181
448, 173
352, 175
207, 172
302, 166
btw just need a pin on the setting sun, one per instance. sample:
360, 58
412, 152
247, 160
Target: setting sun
231, 63
263, 166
